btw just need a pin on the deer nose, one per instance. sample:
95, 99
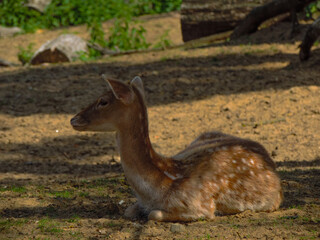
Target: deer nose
78, 121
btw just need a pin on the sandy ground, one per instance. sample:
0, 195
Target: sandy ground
56, 183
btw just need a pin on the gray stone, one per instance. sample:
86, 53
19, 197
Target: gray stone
9, 31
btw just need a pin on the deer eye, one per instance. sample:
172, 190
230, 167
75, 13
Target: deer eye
102, 102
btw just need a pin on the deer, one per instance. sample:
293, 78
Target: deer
217, 174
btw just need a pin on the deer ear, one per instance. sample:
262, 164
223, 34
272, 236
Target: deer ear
137, 83
121, 91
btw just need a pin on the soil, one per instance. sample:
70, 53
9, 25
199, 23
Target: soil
56, 183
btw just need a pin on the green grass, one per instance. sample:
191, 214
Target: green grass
63, 194
164, 41
25, 54
74, 219
74, 12
8, 223
47, 225
16, 189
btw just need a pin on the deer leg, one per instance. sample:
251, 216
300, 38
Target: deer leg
163, 216
133, 211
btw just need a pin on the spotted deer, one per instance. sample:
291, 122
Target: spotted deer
216, 174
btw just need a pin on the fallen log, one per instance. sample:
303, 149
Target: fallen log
310, 37
262, 13
65, 48
201, 18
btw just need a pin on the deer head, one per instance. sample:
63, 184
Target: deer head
112, 110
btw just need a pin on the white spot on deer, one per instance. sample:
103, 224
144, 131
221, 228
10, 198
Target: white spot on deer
244, 160
252, 161
238, 182
231, 175
169, 175
173, 177
244, 168
216, 186
251, 173
212, 205
234, 161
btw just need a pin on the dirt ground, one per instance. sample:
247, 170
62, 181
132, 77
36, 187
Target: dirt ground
56, 183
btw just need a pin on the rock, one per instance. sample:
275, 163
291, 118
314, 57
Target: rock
39, 5
177, 228
9, 31
64, 48
4, 63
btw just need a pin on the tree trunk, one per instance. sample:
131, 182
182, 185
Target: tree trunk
65, 48
311, 36
200, 18
260, 14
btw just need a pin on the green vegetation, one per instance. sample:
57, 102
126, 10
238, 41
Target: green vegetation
8, 223
47, 225
63, 194
164, 41
74, 12
16, 189
25, 54
124, 37
312, 8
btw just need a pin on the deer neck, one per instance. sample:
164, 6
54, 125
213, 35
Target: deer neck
142, 166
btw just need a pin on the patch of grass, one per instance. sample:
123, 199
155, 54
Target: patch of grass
47, 225
25, 54
125, 37
164, 59
235, 226
274, 49
74, 219
84, 194
16, 189
73, 12
294, 206
164, 41
63, 194
103, 182
8, 223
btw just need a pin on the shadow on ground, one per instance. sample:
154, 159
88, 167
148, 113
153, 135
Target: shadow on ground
68, 88
301, 186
